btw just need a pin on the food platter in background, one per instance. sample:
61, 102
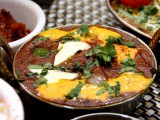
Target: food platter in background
143, 19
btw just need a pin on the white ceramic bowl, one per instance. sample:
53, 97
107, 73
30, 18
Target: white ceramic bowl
27, 12
12, 101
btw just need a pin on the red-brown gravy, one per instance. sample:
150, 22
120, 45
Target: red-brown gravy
144, 63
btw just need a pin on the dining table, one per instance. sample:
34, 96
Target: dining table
65, 12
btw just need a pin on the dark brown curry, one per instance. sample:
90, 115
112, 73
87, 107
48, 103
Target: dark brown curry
106, 67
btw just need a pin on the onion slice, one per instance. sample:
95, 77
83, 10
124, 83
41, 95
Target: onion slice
95, 78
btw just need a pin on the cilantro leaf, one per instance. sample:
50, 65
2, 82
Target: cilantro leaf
39, 81
87, 70
101, 91
127, 69
129, 44
62, 68
48, 66
116, 89
128, 62
77, 66
40, 38
118, 40
152, 10
110, 49
83, 30
35, 67
114, 40
149, 28
105, 53
126, 14
32, 75
68, 38
41, 52
141, 18
128, 65
75, 91
112, 90
44, 72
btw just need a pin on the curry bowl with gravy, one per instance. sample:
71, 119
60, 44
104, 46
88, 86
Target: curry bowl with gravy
86, 67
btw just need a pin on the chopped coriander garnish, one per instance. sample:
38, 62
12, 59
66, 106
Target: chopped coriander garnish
44, 72
118, 40
39, 81
77, 66
129, 44
114, 40
128, 62
89, 54
149, 28
152, 10
141, 18
69, 38
83, 30
75, 91
47, 65
62, 68
35, 67
115, 90
96, 62
32, 75
127, 69
126, 14
130, 10
104, 53
41, 52
39, 38
87, 70
128, 65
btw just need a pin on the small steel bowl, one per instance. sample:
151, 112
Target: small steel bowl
104, 116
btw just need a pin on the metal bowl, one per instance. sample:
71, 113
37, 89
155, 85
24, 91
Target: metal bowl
104, 116
124, 106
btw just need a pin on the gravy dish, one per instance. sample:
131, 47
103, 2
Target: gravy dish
86, 67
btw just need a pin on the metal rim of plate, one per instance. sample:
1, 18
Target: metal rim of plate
105, 115
126, 23
63, 12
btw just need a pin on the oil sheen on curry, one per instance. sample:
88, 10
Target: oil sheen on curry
87, 65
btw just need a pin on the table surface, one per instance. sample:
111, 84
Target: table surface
62, 12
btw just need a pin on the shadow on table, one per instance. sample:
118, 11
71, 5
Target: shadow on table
44, 3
